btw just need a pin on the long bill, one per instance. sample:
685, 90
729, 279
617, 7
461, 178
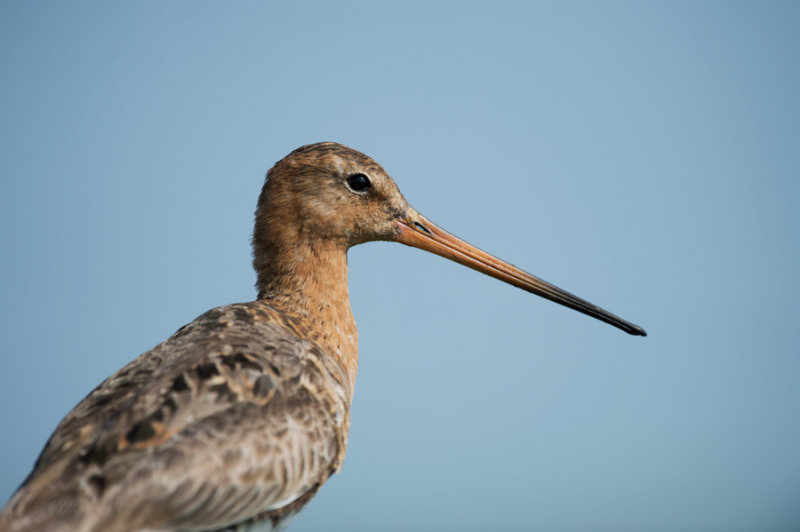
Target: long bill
416, 231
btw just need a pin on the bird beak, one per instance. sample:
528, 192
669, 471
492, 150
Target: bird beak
417, 231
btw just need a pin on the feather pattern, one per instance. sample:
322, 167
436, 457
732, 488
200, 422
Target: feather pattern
216, 425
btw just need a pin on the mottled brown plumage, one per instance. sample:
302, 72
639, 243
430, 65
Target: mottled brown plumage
237, 419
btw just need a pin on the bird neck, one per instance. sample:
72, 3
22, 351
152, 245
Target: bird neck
309, 282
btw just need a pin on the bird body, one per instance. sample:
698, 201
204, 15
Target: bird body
237, 419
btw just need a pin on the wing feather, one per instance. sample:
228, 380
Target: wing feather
229, 420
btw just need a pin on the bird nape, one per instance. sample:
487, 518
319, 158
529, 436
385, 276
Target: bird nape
239, 417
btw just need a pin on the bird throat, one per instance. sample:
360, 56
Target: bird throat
309, 282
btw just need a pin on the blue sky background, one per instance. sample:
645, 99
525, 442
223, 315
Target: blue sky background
645, 156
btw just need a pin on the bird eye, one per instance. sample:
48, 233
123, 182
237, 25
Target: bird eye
358, 182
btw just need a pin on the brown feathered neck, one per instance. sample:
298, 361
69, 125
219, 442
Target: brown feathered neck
301, 270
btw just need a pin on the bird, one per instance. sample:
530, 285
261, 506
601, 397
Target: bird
236, 420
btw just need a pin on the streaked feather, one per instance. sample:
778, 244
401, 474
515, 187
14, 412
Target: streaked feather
217, 424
